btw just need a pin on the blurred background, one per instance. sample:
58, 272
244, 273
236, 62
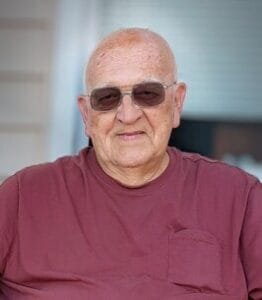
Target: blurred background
44, 45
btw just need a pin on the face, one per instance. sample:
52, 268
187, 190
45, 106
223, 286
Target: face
131, 136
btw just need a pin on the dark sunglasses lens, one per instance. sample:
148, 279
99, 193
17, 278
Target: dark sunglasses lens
105, 98
149, 94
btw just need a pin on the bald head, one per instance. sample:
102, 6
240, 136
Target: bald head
143, 43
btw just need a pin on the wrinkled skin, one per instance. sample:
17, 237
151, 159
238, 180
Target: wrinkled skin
130, 142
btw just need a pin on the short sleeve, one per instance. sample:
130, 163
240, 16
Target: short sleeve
251, 242
9, 194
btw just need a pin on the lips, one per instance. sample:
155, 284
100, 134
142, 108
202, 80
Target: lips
130, 135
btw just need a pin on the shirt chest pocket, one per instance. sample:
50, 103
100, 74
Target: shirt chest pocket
195, 261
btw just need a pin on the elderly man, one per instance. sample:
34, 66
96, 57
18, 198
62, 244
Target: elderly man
131, 218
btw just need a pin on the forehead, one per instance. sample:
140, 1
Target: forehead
129, 65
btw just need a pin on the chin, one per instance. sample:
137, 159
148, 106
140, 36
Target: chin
132, 161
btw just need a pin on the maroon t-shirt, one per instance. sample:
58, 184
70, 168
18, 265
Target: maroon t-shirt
70, 232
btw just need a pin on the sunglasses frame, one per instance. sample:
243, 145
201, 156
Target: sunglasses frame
130, 93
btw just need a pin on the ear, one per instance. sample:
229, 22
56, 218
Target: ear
82, 102
180, 94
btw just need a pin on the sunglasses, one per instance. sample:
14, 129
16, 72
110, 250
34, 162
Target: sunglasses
145, 94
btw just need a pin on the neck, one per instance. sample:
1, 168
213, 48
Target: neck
136, 176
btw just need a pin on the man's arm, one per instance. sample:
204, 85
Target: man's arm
9, 192
251, 243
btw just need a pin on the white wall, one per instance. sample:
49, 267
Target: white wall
75, 37
43, 47
26, 31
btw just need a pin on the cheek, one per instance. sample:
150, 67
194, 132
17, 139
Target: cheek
100, 125
166, 116
94, 128
161, 122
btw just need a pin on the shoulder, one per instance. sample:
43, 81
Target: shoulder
214, 172
49, 173
44, 171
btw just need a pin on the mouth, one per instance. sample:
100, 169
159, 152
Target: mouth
130, 136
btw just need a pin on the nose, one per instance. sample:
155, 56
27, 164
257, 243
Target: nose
128, 112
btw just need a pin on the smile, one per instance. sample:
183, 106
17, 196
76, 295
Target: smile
130, 136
